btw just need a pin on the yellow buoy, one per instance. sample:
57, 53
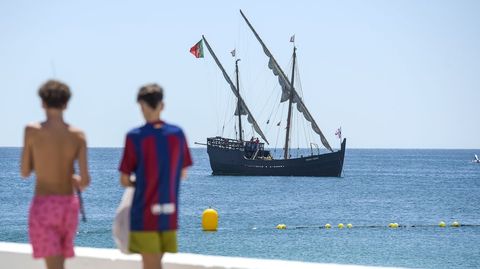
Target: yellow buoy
349, 226
209, 220
393, 225
455, 224
328, 226
442, 224
281, 226
340, 226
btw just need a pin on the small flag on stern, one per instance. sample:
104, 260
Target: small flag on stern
339, 133
233, 53
292, 39
197, 49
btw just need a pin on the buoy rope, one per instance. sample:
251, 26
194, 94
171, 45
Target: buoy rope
380, 226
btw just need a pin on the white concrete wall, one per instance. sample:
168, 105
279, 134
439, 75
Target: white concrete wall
15, 255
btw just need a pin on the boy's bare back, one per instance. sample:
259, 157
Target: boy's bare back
51, 150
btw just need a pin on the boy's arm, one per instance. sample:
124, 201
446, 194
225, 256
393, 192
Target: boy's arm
128, 163
187, 159
84, 180
27, 158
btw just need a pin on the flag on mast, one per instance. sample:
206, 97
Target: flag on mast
292, 39
339, 133
197, 49
233, 52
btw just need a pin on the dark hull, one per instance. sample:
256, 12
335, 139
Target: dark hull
233, 162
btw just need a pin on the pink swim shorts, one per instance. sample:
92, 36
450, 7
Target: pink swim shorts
52, 223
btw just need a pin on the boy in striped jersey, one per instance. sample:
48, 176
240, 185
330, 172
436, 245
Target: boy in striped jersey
157, 154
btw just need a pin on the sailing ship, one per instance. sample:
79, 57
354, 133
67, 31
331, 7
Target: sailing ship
251, 158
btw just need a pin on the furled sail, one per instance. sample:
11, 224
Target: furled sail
243, 107
287, 87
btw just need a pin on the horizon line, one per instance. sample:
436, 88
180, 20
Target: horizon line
356, 148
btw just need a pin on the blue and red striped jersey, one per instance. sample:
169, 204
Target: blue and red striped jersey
156, 152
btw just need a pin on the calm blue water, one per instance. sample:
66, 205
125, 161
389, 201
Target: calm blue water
411, 187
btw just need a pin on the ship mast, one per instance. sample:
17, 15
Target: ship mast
288, 92
241, 103
238, 102
290, 99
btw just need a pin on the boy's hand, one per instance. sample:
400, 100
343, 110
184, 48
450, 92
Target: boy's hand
79, 183
184, 174
127, 180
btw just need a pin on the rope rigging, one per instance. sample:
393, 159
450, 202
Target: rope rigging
269, 109
279, 124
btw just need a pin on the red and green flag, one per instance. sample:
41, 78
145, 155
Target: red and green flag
197, 49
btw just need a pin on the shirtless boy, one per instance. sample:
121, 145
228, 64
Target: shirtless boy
50, 150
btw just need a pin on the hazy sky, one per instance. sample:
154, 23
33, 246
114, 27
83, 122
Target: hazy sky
393, 74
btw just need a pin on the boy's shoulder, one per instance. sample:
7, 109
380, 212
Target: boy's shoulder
33, 127
33, 130
135, 131
37, 126
76, 131
172, 129
167, 128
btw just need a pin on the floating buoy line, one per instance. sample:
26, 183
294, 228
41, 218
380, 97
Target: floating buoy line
210, 223
392, 225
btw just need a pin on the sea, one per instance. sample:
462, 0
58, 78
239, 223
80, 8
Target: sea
415, 188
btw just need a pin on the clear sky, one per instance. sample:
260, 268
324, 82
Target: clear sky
392, 74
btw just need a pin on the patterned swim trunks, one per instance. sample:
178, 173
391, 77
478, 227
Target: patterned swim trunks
52, 223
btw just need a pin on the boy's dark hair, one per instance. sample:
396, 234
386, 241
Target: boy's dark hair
152, 94
54, 94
